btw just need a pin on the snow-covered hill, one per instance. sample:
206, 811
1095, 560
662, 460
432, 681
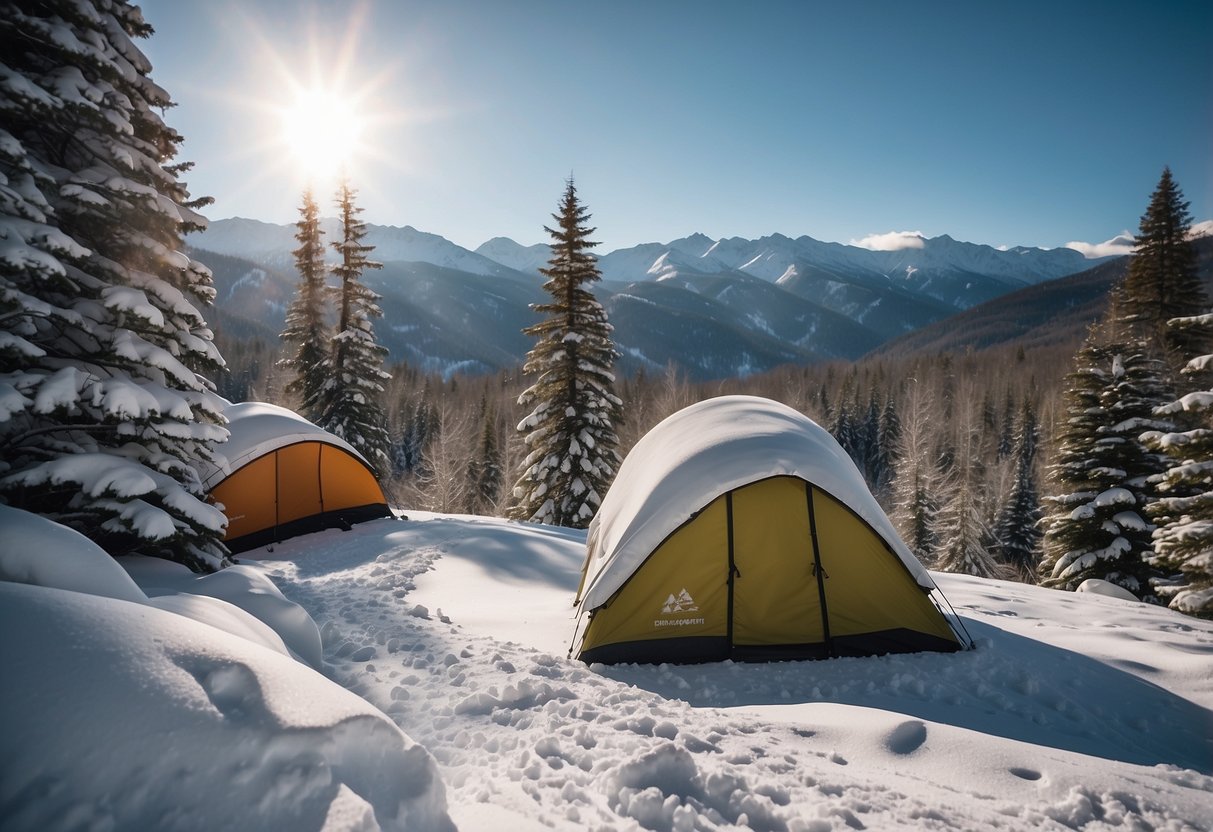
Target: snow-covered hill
1075, 711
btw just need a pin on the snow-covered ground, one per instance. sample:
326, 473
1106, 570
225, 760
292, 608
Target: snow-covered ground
1075, 710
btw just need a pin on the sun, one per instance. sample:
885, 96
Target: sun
322, 131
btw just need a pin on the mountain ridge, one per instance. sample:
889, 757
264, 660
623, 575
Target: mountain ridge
717, 308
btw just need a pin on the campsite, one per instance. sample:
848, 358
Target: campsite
684, 417
1062, 710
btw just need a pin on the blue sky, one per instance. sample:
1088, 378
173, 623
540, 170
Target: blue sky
1007, 124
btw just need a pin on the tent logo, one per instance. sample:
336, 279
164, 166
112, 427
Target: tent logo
683, 602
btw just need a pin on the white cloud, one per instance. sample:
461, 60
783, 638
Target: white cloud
893, 241
1121, 244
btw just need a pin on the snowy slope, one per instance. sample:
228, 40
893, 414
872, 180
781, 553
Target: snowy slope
184, 710
1075, 711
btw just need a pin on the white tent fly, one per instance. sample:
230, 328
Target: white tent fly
704, 456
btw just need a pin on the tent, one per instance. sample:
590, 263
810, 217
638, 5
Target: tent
740, 529
284, 476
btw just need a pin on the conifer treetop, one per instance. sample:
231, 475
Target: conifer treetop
570, 430
1162, 281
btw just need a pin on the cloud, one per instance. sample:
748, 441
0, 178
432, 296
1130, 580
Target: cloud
893, 241
1119, 245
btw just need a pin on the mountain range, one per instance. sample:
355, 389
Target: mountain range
717, 308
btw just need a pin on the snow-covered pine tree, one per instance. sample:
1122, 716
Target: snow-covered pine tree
570, 431
963, 530
104, 407
1162, 282
1016, 528
1183, 541
351, 402
1095, 525
307, 331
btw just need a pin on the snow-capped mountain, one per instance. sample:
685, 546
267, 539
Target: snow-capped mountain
526, 259
271, 244
716, 307
958, 273
776, 256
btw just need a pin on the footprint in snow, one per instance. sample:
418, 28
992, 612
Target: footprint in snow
906, 738
1025, 773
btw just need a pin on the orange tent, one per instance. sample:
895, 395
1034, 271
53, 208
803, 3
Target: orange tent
284, 476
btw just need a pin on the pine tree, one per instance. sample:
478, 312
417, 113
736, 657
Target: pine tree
104, 407
1095, 526
1016, 528
962, 526
484, 470
422, 426
1162, 282
1183, 541
1006, 433
888, 440
351, 405
870, 442
306, 335
570, 431
844, 431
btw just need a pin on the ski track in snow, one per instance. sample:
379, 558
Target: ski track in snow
527, 739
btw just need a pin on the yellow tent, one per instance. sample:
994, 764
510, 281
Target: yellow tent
739, 529
284, 476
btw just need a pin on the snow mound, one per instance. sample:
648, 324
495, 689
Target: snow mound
1096, 586
221, 615
34, 550
162, 722
244, 586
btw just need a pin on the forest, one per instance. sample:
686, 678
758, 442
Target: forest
991, 461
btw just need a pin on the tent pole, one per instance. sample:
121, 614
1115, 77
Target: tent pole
818, 570
728, 510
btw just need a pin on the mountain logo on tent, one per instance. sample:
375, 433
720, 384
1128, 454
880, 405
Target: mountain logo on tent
683, 602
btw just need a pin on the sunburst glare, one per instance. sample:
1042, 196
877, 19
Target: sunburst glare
321, 112
322, 129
